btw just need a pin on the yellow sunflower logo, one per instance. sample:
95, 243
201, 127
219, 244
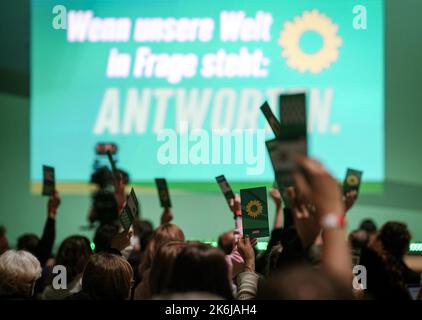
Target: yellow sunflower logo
352, 180
290, 38
254, 208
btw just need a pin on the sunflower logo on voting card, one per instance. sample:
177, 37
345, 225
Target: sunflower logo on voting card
254, 208
352, 180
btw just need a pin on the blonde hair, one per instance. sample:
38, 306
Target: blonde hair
19, 270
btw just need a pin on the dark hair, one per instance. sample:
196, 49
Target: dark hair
369, 226
358, 239
395, 238
28, 242
144, 230
74, 253
2, 231
162, 266
302, 282
103, 177
389, 247
105, 206
107, 277
103, 237
4, 244
201, 268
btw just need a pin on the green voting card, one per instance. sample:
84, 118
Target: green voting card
282, 155
271, 119
130, 211
293, 116
163, 192
255, 212
225, 188
352, 180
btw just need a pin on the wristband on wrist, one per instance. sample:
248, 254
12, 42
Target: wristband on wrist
238, 213
333, 221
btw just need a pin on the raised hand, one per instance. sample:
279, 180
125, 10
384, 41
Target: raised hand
305, 219
167, 216
319, 187
119, 190
276, 196
245, 248
121, 240
53, 203
278, 218
350, 199
235, 205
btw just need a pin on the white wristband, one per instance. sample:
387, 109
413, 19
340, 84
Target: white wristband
333, 221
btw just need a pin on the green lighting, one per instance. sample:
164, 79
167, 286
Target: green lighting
211, 243
415, 247
262, 245
92, 246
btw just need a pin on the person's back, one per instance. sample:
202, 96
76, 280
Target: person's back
73, 254
105, 277
302, 282
387, 274
395, 239
382, 281
201, 268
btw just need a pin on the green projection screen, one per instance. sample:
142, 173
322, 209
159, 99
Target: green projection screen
177, 85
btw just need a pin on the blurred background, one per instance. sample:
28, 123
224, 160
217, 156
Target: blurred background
202, 212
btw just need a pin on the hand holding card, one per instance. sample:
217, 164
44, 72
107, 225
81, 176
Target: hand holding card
350, 199
167, 216
245, 248
52, 205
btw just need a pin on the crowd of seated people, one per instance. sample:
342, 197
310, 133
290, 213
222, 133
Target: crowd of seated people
308, 255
